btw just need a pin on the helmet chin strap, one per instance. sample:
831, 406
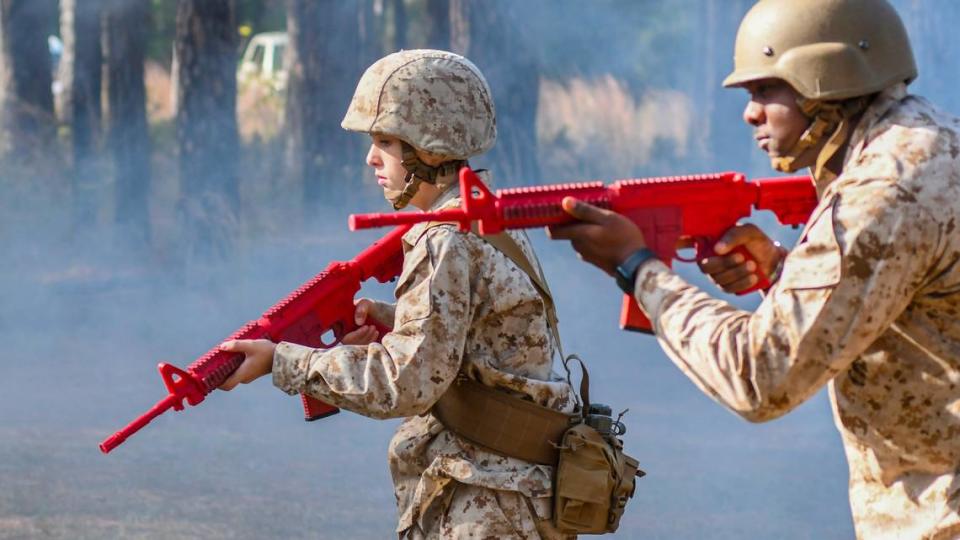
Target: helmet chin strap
419, 172
411, 184
828, 119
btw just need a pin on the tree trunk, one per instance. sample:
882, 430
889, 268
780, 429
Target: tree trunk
399, 25
371, 32
206, 51
705, 85
124, 46
439, 30
325, 64
726, 139
26, 102
79, 99
489, 37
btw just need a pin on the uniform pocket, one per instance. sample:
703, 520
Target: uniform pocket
413, 292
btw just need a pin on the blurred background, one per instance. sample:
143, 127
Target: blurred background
170, 169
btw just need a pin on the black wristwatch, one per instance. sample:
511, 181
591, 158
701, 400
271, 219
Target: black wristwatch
626, 272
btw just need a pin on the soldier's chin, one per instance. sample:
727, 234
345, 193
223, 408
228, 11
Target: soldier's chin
391, 195
785, 163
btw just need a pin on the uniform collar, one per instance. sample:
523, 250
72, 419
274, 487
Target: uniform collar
874, 112
448, 199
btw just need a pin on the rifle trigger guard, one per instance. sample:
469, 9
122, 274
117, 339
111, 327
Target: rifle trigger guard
337, 330
702, 246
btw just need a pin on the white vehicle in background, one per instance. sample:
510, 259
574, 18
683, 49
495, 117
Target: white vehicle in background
263, 61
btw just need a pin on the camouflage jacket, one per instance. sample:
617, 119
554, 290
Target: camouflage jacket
462, 308
868, 302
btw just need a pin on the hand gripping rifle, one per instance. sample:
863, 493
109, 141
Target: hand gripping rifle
321, 305
699, 207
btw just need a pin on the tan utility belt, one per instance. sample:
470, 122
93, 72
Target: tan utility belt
506, 424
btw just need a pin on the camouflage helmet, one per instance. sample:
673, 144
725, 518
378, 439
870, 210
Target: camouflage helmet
436, 101
825, 49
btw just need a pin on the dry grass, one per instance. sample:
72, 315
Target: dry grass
597, 128
156, 79
259, 106
259, 112
584, 127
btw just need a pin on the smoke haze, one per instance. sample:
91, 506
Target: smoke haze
87, 314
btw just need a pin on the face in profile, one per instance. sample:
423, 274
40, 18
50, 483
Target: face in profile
386, 158
775, 116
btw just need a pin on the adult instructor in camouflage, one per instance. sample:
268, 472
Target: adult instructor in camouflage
463, 310
867, 301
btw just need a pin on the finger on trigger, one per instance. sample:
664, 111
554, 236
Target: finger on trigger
728, 241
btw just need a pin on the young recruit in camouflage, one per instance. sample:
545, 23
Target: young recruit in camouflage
462, 308
437, 101
868, 301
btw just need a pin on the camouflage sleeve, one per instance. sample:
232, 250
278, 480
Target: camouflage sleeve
859, 263
406, 373
383, 312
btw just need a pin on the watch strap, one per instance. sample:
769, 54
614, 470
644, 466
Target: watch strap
626, 272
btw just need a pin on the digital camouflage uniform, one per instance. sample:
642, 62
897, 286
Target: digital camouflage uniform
462, 308
868, 302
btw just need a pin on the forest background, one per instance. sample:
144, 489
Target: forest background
153, 201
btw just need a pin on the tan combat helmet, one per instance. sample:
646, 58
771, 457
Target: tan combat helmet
829, 51
434, 101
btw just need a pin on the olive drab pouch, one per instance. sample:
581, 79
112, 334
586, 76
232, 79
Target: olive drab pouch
594, 478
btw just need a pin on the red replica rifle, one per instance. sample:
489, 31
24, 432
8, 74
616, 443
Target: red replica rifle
323, 304
667, 209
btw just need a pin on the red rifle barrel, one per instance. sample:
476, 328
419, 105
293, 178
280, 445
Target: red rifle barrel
382, 260
117, 438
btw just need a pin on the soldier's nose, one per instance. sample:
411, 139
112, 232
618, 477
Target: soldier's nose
753, 113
